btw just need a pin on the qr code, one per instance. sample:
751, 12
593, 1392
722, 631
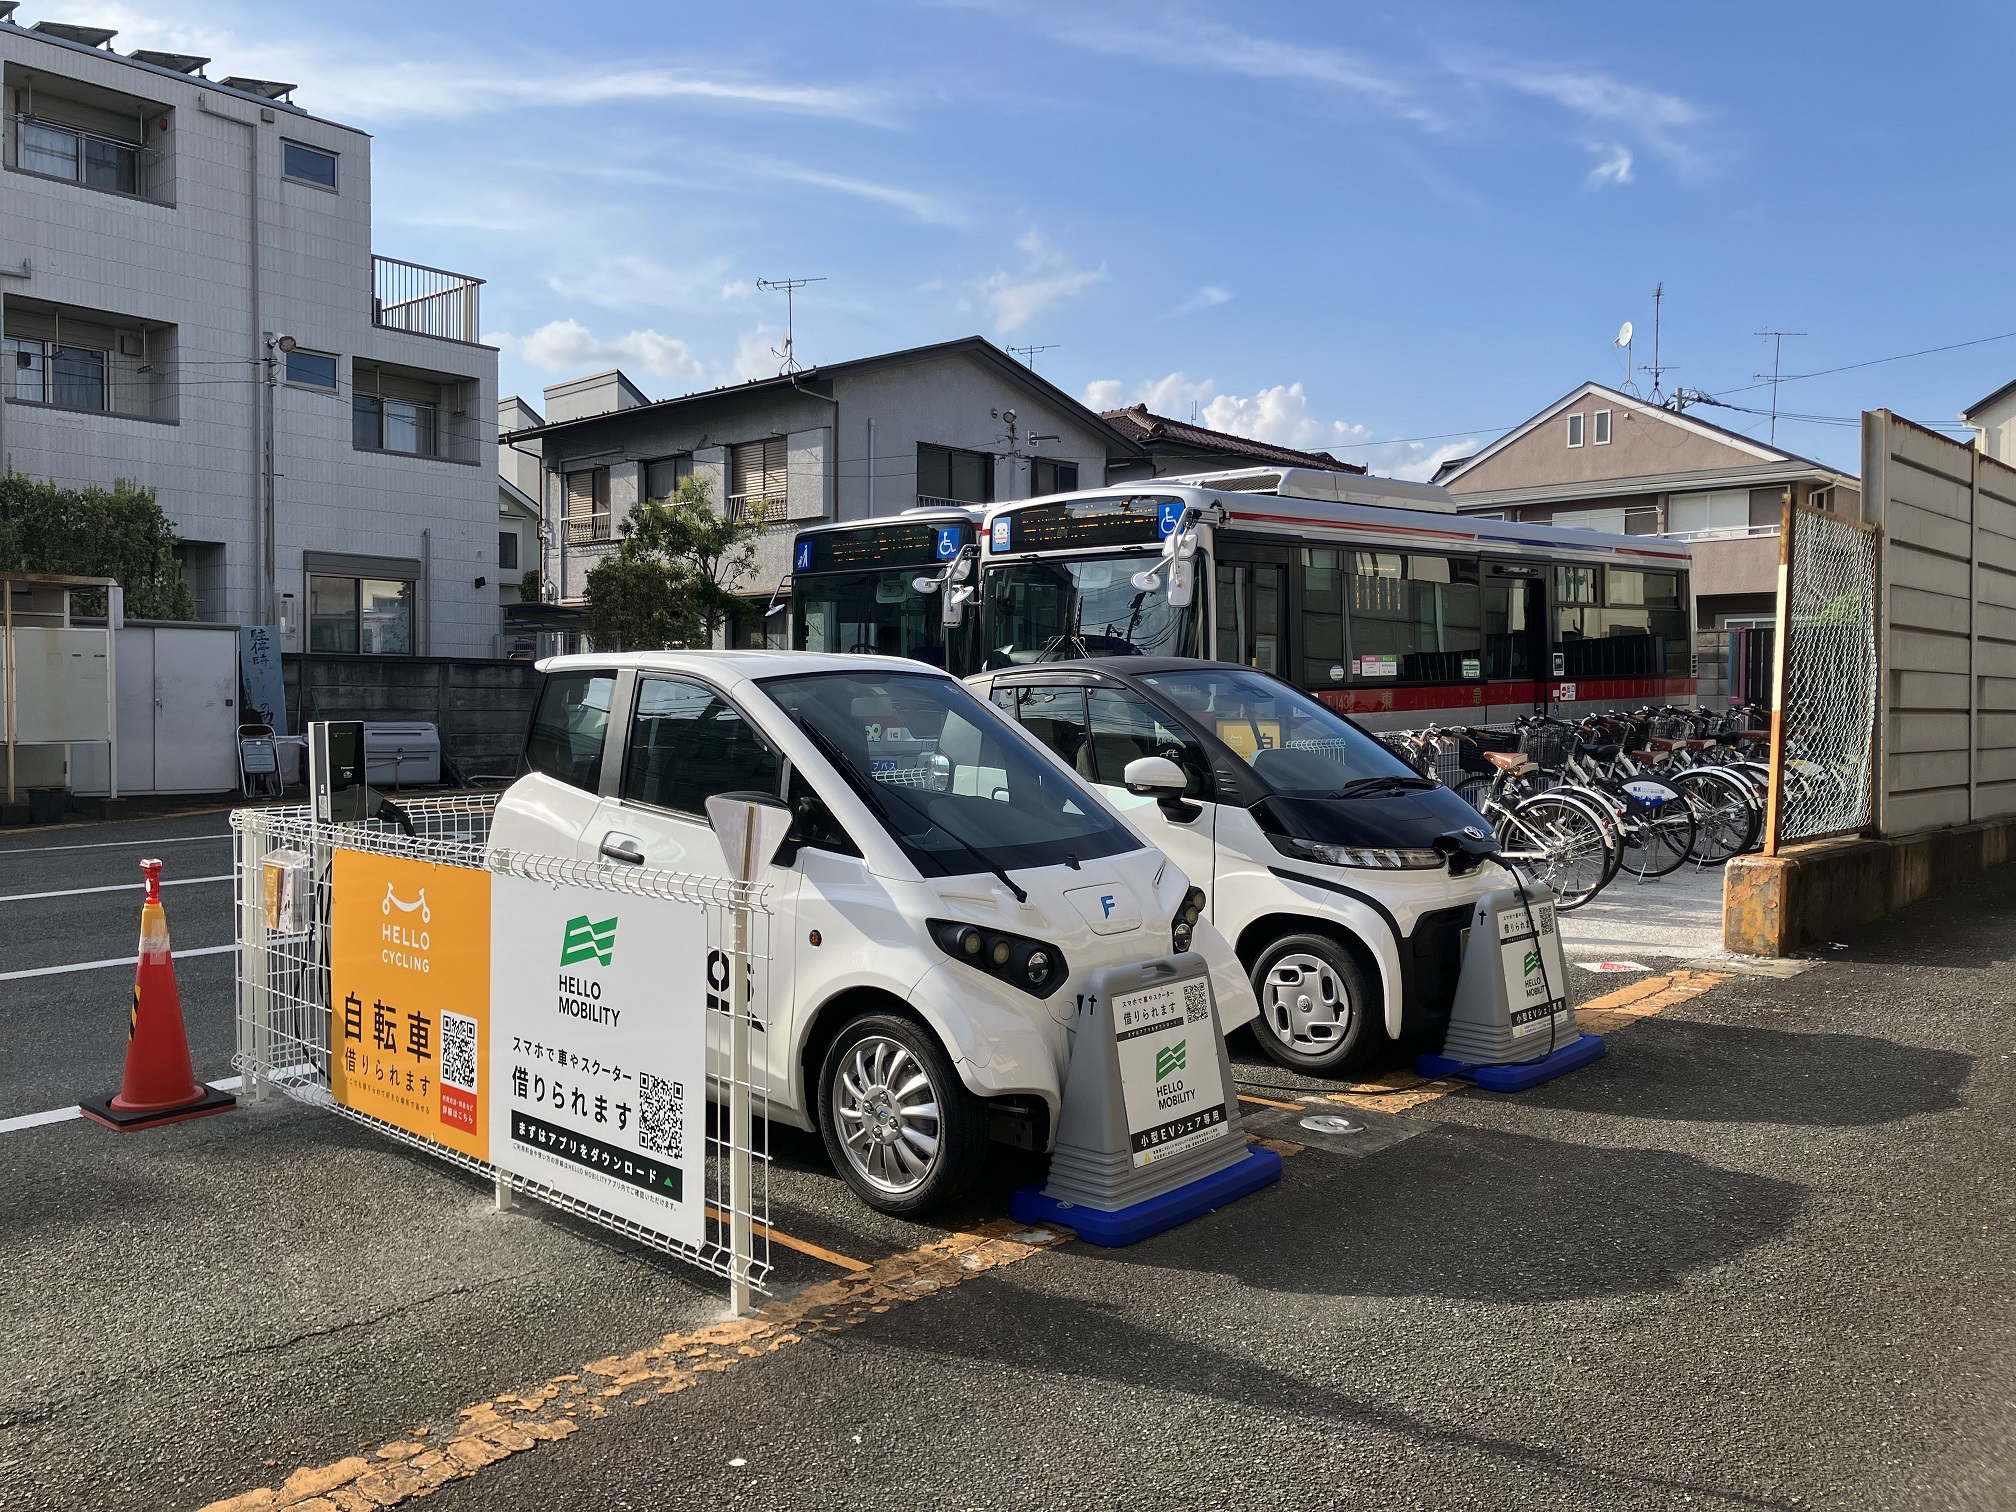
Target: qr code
1196, 1001
661, 1116
458, 1051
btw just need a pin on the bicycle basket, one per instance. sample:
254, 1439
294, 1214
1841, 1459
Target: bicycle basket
1547, 745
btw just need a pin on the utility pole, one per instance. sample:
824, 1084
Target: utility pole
1657, 369
1777, 339
790, 286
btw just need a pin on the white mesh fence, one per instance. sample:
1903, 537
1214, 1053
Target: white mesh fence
285, 1018
1824, 744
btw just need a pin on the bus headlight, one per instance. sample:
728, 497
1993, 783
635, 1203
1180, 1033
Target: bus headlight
1374, 858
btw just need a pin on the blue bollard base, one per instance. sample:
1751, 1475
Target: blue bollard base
1577, 1052
1126, 1225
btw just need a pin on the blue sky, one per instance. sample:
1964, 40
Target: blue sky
1391, 230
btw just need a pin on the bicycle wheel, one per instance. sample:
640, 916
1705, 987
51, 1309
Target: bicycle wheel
1564, 842
1660, 841
1725, 820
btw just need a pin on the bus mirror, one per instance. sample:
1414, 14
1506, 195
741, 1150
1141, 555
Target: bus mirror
1147, 581
1182, 582
926, 584
952, 612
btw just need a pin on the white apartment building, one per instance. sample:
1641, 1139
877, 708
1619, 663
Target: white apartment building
191, 301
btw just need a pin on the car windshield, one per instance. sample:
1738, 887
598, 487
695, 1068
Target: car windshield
1064, 610
1293, 743
955, 786
877, 613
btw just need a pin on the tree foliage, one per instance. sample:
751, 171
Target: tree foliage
670, 582
119, 533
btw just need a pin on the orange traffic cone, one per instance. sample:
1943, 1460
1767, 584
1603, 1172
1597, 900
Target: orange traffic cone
159, 1086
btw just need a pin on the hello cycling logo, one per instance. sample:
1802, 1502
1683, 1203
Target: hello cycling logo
587, 940
1172, 1058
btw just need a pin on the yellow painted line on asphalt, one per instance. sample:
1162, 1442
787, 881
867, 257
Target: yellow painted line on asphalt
803, 1246
1268, 1102
564, 1405
1397, 1091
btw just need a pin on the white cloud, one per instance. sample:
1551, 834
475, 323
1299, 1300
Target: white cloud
567, 346
630, 280
1046, 276
1279, 414
1615, 168
756, 353
739, 288
1203, 299
1672, 127
355, 75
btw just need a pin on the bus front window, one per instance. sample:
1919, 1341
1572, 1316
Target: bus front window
1062, 610
877, 613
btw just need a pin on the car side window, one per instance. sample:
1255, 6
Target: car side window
814, 824
688, 743
1125, 727
570, 725
1055, 716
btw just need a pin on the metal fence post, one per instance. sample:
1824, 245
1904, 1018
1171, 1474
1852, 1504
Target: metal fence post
741, 1174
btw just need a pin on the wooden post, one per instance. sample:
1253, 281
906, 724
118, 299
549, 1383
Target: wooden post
1780, 653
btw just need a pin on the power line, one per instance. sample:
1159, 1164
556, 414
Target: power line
1849, 367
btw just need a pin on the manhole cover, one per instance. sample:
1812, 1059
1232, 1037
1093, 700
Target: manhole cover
1332, 1123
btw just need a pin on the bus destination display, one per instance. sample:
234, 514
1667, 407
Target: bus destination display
1137, 520
919, 544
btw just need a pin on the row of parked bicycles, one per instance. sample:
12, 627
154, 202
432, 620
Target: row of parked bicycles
1579, 802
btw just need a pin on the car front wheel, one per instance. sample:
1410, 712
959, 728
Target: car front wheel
897, 1122
1315, 1005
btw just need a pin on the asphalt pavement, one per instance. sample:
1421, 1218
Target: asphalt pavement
1758, 1256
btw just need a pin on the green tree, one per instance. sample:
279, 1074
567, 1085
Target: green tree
119, 533
670, 583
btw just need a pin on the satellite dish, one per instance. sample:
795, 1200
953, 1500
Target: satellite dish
1624, 334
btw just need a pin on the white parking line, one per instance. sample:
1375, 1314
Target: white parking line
132, 960
59, 1115
36, 850
77, 892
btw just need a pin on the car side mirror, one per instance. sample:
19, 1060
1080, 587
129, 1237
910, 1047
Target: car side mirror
1160, 778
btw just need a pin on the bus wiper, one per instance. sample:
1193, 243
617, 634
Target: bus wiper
1359, 786
871, 793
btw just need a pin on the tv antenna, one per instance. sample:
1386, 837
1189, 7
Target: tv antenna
1028, 353
790, 286
1657, 368
1624, 341
1777, 339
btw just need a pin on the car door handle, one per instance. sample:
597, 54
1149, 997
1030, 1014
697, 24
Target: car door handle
625, 850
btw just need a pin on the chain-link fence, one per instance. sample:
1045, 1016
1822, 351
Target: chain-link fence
292, 1037
1824, 731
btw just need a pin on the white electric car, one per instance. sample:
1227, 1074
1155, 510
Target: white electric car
946, 891
1343, 878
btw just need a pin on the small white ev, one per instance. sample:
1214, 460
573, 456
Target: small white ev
945, 893
1344, 879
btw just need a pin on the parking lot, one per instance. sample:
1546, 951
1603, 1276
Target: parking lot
1759, 1256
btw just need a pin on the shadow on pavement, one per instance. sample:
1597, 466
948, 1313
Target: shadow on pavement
1695, 1072
1097, 1341
1968, 927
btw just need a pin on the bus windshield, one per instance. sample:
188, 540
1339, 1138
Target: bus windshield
878, 613
1063, 610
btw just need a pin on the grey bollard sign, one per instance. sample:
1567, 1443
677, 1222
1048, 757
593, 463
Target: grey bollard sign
1512, 998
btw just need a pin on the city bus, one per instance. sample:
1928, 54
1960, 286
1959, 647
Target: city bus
899, 586
1371, 593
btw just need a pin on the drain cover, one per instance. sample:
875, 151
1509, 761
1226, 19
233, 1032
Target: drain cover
1332, 1123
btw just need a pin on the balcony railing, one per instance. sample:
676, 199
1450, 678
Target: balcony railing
1724, 533
426, 301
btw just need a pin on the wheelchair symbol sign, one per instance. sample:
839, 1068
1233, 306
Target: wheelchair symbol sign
1166, 517
948, 545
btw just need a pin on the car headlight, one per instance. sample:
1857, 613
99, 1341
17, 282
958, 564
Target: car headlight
1369, 857
1183, 928
1032, 965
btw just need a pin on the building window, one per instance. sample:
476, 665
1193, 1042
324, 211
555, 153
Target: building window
588, 506
507, 551
64, 376
79, 156
662, 478
1725, 512
308, 165
1052, 477
757, 474
1821, 498
394, 425
312, 370
371, 616
946, 476
1574, 430
1602, 437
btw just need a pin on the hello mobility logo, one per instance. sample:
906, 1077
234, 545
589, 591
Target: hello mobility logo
1171, 1058
585, 940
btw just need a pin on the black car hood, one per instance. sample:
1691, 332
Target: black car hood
1406, 818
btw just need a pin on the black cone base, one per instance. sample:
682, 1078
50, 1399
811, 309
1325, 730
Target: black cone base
100, 1110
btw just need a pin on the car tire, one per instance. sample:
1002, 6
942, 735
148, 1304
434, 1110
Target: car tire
1317, 1009
905, 1146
